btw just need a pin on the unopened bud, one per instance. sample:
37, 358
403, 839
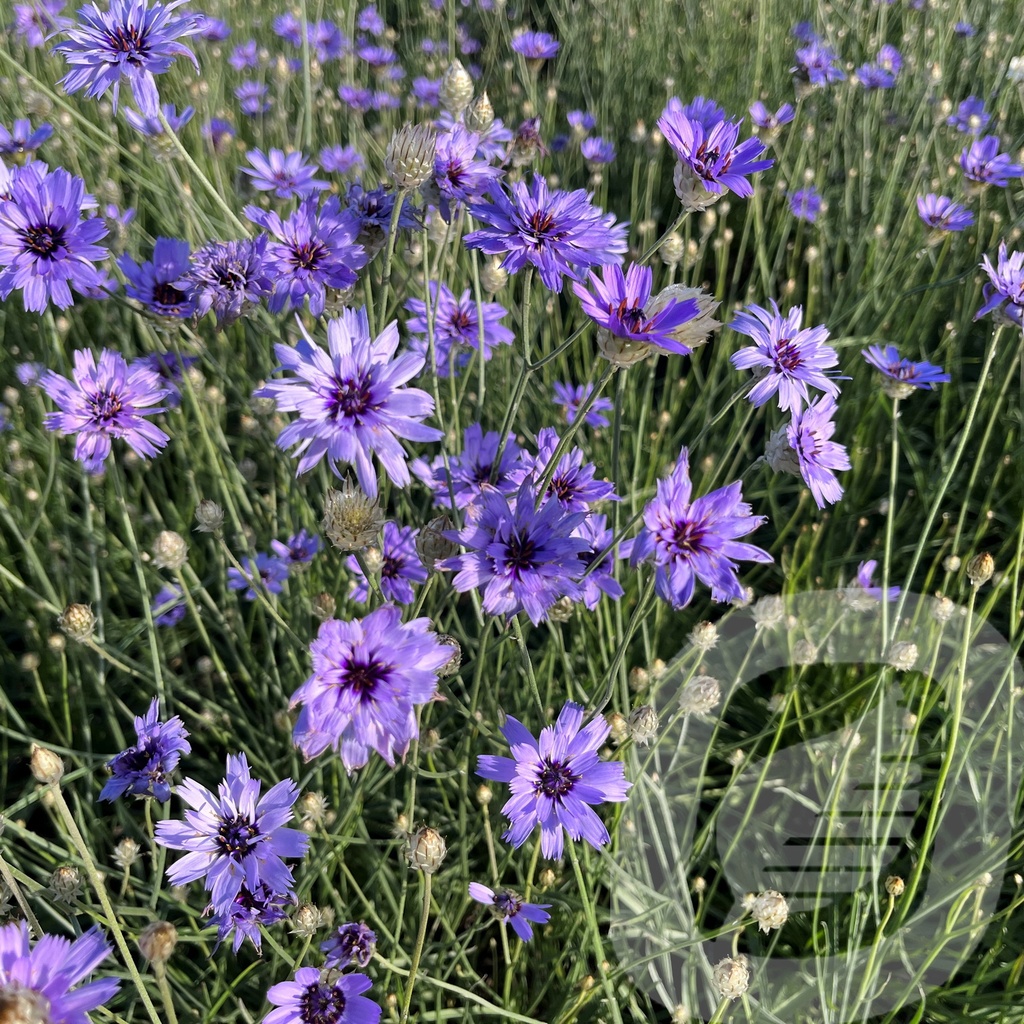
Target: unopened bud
21, 1005
618, 725
672, 249
431, 543
894, 885
700, 696
903, 655
980, 569
209, 516
691, 191
561, 610
694, 332
157, 941
704, 636
169, 550
66, 884
456, 88
493, 276
352, 521
479, 114
643, 724
452, 665
427, 849
547, 878
951, 563
77, 621
306, 920
46, 766
126, 853
484, 795
410, 156
730, 977
324, 606
769, 909
639, 678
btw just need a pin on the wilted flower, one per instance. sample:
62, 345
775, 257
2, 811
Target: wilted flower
350, 944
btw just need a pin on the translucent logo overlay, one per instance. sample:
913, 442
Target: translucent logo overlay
804, 755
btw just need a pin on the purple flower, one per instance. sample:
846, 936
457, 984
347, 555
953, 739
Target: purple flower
871, 76
890, 59
942, 214
130, 39
37, 20
151, 126
234, 837
315, 250
375, 55
1006, 285
710, 156
556, 781
617, 303
426, 91
862, 583
103, 402
400, 567
245, 55
313, 998
964, 29
252, 98
340, 159
599, 578
228, 278
145, 768
29, 374
471, 471
289, 28
328, 41
169, 367
270, 570
374, 207
153, 283
248, 912
213, 30
701, 109
220, 133
35, 982
596, 150
817, 65
696, 539
559, 233
458, 175
168, 609
46, 247
982, 162
350, 944
352, 400
298, 550
369, 676
762, 117
905, 372
572, 483
492, 143
803, 32
21, 139
536, 45
971, 118
285, 175
580, 121
787, 358
369, 20
521, 557
511, 908
805, 204
571, 397
817, 456
457, 327
357, 98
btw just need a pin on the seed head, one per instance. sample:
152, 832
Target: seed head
157, 941
704, 636
693, 333
561, 610
942, 608
700, 696
493, 276
307, 920
209, 516
731, 978
980, 569
46, 766
432, 545
456, 88
643, 724
313, 809
77, 621
479, 114
427, 849
352, 521
672, 249
324, 606
126, 853
903, 655
66, 885
951, 563
410, 156
769, 612
780, 454
894, 885
769, 909
169, 550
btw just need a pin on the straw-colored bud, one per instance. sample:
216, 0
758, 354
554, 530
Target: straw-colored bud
46, 766
643, 724
21, 1005
672, 249
209, 516
431, 543
980, 569
77, 621
373, 558
561, 610
639, 678
169, 550
352, 521
546, 879
493, 276
894, 885
126, 853
479, 114
313, 808
484, 795
769, 909
769, 612
427, 849
691, 192
324, 606
306, 920
731, 978
456, 90
704, 636
694, 332
410, 156
700, 696
951, 563
942, 608
780, 454
903, 655
157, 941
452, 665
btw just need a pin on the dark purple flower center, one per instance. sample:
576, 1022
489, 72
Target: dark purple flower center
106, 407
43, 239
308, 255
507, 903
322, 1004
392, 567
541, 221
520, 553
351, 398
137, 759
788, 357
631, 317
554, 780
362, 679
563, 488
687, 537
460, 322
705, 161
129, 40
237, 837
482, 473
167, 296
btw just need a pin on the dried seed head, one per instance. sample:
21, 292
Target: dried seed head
618, 725
693, 333
942, 608
980, 569
700, 696
427, 849
20, 1005
804, 652
46, 766
456, 88
169, 550
209, 516
410, 156
324, 606
561, 610
126, 853
452, 665
769, 909
704, 636
157, 941
780, 454
352, 521
769, 612
672, 249
66, 884
894, 885
621, 352
77, 622
373, 559
313, 808
903, 655
493, 276
643, 724
307, 920
479, 114
484, 795
731, 978
432, 545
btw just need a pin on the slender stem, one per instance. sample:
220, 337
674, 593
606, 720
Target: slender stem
517, 629
890, 522
418, 950
160, 972
389, 253
19, 897
96, 881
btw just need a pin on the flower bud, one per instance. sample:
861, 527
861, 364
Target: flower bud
618, 725
643, 724
942, 608
209, 516
324, 606
493, 276
639, 679
694, 332
352, 521
306, 920
546, 879
169, 550
456, 88
730, 977
903, 655
157, 941
484, 795
691, 192
452, 665
432, 545
894, 885
66, 884
561, 610
479, 114
951, 563
126, 853
980, 569
77, 621
700, 696
427, 849
46, 766
672, 249
780, 454
704, 636
769, 909
410, 156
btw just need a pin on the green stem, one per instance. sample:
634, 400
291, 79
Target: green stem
890, 523
417, 952
389, 253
